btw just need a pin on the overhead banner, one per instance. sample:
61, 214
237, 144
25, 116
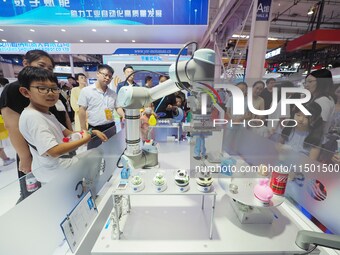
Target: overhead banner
99, 12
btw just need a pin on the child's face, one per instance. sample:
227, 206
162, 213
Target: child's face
178, 102
82, 80
302, 120
43, 94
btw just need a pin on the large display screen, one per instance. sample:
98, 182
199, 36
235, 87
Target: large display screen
100, 12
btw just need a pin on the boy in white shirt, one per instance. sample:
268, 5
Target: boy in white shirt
41, 129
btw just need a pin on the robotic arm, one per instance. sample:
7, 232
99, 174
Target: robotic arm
305, 238
200, 67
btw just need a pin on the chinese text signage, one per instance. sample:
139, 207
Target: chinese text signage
149, 51
24, 47
132, 12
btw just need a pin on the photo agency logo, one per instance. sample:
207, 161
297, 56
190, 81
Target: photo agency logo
240, 108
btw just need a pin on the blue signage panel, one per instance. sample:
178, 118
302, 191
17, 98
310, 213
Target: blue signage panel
263, 10
99, 12
5, 60
148, 51
24, 47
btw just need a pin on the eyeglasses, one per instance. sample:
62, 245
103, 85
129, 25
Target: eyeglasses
46, 90
106, 75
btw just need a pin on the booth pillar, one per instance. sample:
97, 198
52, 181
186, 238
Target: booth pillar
71, 65
7, 70
258, 39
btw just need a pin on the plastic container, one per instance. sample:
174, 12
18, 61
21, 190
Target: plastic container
227, 166
31, 182
182, 180
73, 137
262, 191
278, 182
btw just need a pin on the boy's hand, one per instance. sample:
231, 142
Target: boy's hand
101, 135
86, 135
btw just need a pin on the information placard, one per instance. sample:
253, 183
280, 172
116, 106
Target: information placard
77, 222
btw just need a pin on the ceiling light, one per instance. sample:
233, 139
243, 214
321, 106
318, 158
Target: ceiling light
30, 40
4, 40
32, 30
63, 30
125, 30
107, 40
94, 30
133, 40
55, 40
1, 29
81, 40
312, 10
240, 36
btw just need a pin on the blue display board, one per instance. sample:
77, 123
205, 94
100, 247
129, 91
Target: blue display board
104, 12
263, 10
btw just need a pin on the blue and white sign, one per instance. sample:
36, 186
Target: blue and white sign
98, 12
24, 47
149, 51
273, 53
263, 10
5, 60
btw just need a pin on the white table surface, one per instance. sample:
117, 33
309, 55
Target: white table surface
177, 225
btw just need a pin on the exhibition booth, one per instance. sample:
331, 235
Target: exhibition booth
91, 208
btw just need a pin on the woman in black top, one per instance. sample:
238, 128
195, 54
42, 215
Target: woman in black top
12, 103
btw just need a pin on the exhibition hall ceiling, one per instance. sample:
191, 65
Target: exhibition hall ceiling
289, 20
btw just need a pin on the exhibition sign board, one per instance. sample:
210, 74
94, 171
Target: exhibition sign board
150, 51
263, 10
97, 12
24, 47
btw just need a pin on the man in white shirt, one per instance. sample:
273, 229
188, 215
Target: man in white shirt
99, 101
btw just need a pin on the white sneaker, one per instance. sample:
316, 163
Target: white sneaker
8, 161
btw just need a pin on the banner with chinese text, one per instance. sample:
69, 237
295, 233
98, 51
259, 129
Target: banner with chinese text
104, 12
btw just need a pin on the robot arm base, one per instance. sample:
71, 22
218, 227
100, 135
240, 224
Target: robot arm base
146, 159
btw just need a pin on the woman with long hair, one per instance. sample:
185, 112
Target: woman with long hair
320, 85
306, 136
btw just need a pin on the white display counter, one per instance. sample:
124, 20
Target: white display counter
175, 225
156, 224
